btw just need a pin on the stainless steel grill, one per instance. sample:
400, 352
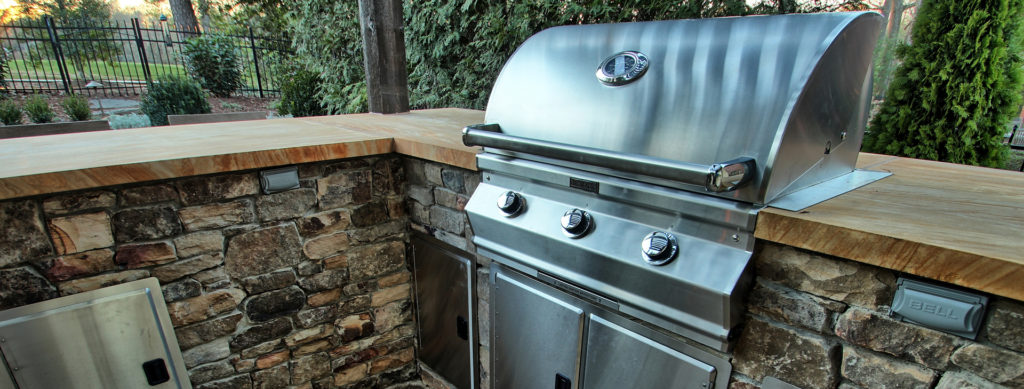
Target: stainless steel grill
624, 166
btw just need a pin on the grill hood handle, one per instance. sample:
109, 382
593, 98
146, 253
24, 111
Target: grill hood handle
719, 177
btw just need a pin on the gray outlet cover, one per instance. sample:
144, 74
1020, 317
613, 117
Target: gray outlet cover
280, 179
939, 308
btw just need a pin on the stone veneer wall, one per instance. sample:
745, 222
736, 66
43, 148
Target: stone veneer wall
816, 321
307, 288
311, 288
437, 197
813, 321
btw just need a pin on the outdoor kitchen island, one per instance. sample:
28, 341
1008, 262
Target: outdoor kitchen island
311, 287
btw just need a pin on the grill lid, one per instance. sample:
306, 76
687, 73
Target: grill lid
748, 108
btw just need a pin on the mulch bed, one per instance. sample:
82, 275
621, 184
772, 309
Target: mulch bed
217, 105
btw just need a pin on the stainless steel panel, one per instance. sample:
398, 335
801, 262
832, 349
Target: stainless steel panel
778, 89
811, 195
619, 358
535, 336
444, 294
97, 339
719, 177
729, 214
695, 294
644, 331
6, 381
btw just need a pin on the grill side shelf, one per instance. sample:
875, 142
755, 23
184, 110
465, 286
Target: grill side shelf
719, 177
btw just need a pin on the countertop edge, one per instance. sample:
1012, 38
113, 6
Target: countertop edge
431, 144
987, 274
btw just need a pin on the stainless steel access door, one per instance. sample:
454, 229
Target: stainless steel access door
537, 337
115, 337
619, 358
444, 297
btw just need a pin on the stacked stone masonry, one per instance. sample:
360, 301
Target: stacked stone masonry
310, 288
307, 288
822, 322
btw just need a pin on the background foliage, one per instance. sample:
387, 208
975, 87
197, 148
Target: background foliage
327, 41
958, 86
77, 107
3, 71
298, 92
455, 48
212, 60
10, 112
37, 107
173, 95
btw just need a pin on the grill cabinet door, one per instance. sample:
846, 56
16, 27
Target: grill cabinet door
536, 337
619, 358
444, 290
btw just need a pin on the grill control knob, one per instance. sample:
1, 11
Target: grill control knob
511, 203
576, 222
659, 248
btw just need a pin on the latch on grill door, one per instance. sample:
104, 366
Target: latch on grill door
462, 328
562, 382
720, 177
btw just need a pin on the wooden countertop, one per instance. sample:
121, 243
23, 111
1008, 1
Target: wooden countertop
959, 224
953, 223
48, 164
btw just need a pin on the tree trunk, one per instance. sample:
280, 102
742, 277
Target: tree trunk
387, 84
203, 6
892, 35
184, 16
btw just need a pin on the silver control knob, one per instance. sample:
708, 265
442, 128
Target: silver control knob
511, 203
576, 222
659, 248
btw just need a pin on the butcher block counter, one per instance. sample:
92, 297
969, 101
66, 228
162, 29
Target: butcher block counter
958, 224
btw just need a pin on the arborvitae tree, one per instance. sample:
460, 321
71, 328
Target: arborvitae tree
958, 86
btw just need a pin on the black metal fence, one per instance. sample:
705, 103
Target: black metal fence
119, 58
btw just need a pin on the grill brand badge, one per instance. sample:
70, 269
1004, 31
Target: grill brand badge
622, 68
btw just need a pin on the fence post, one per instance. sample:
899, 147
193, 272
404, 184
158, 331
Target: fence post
142, 50
255, 61
58, 54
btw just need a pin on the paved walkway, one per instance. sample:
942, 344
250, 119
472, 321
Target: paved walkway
113, 106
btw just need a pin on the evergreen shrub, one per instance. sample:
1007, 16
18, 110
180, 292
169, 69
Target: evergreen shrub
77, 107
299, 92
958, 86
212, 60
173, 95
10, 113
38, 109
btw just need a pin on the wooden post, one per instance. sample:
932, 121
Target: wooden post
387, 84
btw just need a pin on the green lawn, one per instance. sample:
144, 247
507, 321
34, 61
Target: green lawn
20, 69
47, 69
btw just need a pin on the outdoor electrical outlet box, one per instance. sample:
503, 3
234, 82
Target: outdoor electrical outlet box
281, 179
939, 308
